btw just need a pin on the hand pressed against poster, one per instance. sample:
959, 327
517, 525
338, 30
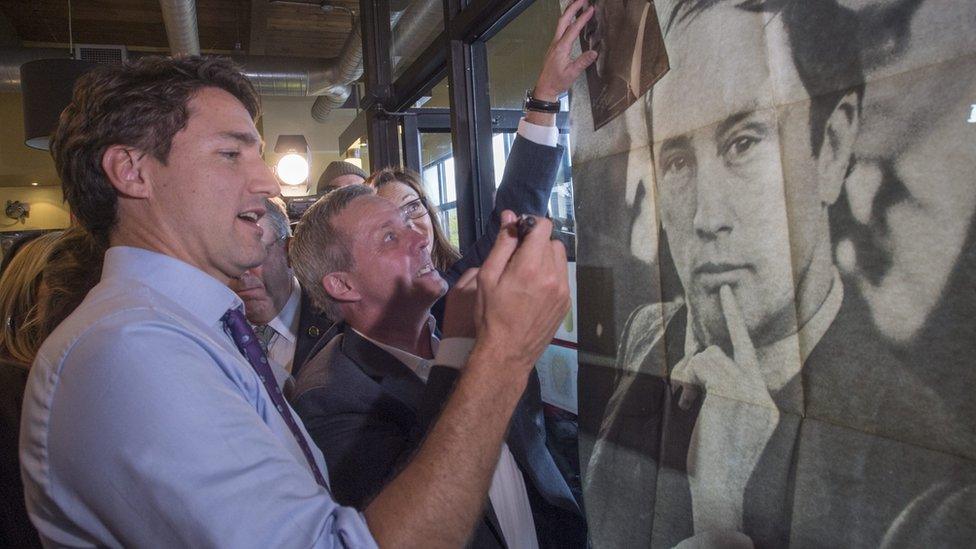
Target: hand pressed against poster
777, 397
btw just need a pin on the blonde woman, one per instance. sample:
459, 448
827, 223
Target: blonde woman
20, 285
19, 288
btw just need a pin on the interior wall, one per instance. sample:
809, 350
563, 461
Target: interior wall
19, 164
47, 208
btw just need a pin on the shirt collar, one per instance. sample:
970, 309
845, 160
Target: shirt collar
418, 365
197, 292
286, 323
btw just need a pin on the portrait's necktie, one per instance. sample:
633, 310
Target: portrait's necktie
242, 334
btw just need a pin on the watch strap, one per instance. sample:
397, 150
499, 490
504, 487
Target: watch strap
538, 105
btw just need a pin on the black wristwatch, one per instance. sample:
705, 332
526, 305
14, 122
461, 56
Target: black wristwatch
538, 105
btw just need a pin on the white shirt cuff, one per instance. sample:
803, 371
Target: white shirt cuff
540, 135
453, 352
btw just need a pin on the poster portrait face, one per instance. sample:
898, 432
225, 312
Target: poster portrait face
743, 196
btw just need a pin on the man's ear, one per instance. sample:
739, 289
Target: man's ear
837, 149
339, 287
125, 168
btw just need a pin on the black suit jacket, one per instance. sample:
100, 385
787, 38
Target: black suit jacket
16, 529
368, 413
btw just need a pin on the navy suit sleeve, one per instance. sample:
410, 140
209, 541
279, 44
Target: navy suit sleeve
526, 185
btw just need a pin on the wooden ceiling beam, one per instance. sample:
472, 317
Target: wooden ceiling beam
256, 39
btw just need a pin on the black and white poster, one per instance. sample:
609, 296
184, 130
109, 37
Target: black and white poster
777, 281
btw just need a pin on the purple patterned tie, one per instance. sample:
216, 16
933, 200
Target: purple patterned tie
242, 334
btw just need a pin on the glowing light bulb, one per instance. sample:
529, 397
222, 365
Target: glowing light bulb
292, 169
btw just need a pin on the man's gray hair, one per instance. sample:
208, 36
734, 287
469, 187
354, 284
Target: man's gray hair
277, 213
320, 248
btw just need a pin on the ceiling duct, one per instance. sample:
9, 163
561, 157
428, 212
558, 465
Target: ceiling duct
328, 78
180, 19
349, 67
414, 28
295, 76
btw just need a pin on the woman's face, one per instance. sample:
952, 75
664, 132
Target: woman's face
402, 194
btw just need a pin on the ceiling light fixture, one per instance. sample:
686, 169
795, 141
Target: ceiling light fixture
46, 86
292, 168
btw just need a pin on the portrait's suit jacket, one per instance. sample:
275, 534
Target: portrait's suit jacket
312, 325
368, 413
833, 475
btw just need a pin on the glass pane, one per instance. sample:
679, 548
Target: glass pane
451, 190
498, 156
515, 57
413, 30
452, 227
438, 173
516, 53
437, 98
432, 185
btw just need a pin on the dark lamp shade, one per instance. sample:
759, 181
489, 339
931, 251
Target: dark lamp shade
291, 143
46, 85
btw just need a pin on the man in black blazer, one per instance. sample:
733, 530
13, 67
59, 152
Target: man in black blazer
281, 312
368, 396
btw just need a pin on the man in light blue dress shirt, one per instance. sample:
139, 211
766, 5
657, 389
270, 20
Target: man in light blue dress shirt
144, 425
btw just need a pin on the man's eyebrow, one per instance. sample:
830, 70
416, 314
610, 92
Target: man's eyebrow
677, 142
385, 225
244, 137
730, 123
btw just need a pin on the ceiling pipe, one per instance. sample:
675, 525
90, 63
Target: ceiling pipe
180, 20
291, 76
414, 27
330, 79
348, 69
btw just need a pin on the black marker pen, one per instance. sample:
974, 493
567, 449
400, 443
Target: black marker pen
525, 224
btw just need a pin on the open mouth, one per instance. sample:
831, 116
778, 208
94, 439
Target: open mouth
428, 268
251, 216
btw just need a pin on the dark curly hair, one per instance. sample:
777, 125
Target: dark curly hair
143, 104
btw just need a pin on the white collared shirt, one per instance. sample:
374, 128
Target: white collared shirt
281, 348
507, 491
540, 135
